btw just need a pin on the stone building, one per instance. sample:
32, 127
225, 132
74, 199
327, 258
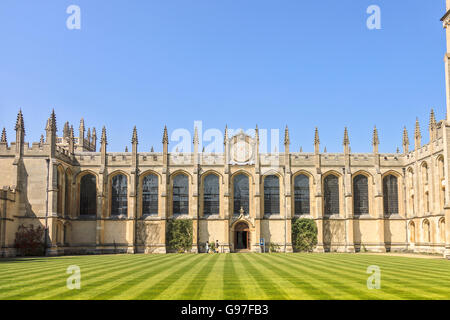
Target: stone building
103, 202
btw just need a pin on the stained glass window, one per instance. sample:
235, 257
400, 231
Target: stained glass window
241, 193
119, 195
271, 195
301, 194
331, 194
88, 195
150, 194
180, 194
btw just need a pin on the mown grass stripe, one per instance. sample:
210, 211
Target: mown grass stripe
102, 286
194, 288
156, 289
226, 276
232, 286
409, 280
142, 280
349, 286
272, 290
301, 281
59, 278
350, 273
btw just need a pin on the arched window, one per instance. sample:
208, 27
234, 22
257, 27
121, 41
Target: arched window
211, 194
240, 194
88, 195
390, 195
426, 231
442, 230
180, 194
425, 173
410, 192
427, 202
301, 195
441, 171
60, 187
331, 194
150, 194
119, 195
271, 195
360, 195
412, 232
67, 205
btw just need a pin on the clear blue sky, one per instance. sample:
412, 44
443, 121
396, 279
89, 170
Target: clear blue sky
241, 63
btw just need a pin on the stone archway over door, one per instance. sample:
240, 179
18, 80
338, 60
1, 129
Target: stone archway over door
242, 236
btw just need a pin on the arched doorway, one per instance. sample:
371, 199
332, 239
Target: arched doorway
241, 236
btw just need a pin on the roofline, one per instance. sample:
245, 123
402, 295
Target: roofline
445, 15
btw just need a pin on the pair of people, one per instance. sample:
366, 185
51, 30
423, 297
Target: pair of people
216, 248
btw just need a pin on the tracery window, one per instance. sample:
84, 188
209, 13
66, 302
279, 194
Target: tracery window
301, 195
150, 194
390, 194
88, 195
119, 195
211, 194
360, 195
271, 195
180, 194
240, 194
331, 194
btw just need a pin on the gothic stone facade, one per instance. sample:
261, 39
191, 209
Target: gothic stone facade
104, 202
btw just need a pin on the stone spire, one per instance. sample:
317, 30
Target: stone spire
134, 147
41, 142
301, 149
316, 141
94, 139
20, 136
51, 133
71, 140
103, 144
225, 136
152, 150
3, 139
286, 136
405, 141
52, 121
81, 135
375, 140
88, 136
165, 136
19, 123
103, 140
134, 138
432, 126
165, 142
66, 130
195, 141
257, 133
417, 135
346, 141
126, 149
325, 150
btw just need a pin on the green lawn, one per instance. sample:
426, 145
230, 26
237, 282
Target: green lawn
225, 276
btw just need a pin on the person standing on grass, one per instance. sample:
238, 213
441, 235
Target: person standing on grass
207, 246
217, 246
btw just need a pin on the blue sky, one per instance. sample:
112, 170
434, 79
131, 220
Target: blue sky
241, 63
